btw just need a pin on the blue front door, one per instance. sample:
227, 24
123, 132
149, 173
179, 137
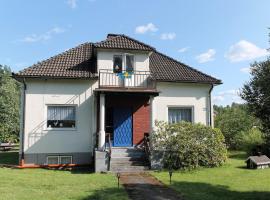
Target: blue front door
122, 126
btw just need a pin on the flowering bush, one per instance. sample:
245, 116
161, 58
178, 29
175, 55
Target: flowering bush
187, 145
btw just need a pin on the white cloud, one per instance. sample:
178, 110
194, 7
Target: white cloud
150, 27
244, 50
72, 3
207, 56
246, 70
184, 49
43, 37
227, 96
168, 36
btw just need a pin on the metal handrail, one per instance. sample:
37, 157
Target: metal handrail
108, 138
138, 79
146, 142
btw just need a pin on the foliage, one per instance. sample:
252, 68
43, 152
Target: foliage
250, 140
233, 121
187, 145
257, 94
9, 106
231, 181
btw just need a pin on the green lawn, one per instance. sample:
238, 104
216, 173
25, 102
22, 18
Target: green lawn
28, 184
231, 181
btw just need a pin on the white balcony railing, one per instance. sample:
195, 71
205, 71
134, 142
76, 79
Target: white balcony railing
137, 79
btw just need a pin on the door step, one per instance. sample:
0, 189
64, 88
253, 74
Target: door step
128, 160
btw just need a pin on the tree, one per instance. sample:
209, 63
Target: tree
9, 106
256, 93
232, 121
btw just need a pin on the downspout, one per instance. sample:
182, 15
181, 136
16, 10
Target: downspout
210, 105
23, 123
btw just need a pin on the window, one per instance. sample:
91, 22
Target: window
117, 63
65, 160
56, 160
179, 114
129, 63
61, 117
52, 160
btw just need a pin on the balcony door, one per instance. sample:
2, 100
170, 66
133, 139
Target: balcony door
124, 63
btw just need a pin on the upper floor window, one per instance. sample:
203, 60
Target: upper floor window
179, 114
117, 63
123, 62
61, 116
129, 62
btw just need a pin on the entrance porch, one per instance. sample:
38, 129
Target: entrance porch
125, 116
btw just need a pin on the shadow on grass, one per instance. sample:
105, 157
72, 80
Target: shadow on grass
9, 158
238, 155
107, 194
204, 191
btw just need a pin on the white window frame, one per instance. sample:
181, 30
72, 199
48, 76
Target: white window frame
59, 159
182, 107
124, 60
60, 129
71, 159
52, 156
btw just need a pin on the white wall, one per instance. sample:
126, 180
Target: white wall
180, 94
105, 59
39, 93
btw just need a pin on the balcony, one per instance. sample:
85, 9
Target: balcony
133, 81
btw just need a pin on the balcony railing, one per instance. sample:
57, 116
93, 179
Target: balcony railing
135, 80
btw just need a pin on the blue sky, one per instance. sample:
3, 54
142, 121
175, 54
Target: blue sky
220, 37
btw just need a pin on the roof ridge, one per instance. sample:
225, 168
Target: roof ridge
125, 36
173, 59
53, 57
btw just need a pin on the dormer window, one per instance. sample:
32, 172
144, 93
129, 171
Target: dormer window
124, 62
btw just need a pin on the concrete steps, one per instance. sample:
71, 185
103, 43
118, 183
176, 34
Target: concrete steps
128, 160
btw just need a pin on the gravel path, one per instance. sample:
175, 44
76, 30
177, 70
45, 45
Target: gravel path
143, 186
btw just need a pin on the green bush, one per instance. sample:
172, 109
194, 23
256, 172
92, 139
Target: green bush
250, 139
187, 145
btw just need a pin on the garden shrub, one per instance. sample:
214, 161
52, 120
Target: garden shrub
187, 145
249, 140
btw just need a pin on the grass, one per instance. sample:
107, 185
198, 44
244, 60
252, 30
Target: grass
28, 184
231, 181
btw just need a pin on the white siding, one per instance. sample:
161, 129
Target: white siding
40, 93
105, 59
178, 94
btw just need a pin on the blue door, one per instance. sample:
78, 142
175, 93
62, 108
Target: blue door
122, 127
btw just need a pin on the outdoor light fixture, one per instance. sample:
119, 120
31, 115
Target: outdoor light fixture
118, 177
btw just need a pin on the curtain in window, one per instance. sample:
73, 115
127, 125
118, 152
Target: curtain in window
179, 114
61, 113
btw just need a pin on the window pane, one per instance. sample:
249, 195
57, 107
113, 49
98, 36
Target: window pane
179, 114
117, 64
130, 63
61, 116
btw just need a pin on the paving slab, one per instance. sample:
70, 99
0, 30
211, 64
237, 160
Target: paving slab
143, 186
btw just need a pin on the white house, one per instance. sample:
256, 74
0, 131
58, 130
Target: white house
118, 86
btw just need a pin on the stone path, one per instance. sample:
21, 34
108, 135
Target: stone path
143, 186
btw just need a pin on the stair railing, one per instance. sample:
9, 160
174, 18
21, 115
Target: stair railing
147, 146
108, 141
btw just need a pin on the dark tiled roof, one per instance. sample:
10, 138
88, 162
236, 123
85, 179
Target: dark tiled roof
78, 62
116, 41
166, 68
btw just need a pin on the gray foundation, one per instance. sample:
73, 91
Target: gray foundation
83, 158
